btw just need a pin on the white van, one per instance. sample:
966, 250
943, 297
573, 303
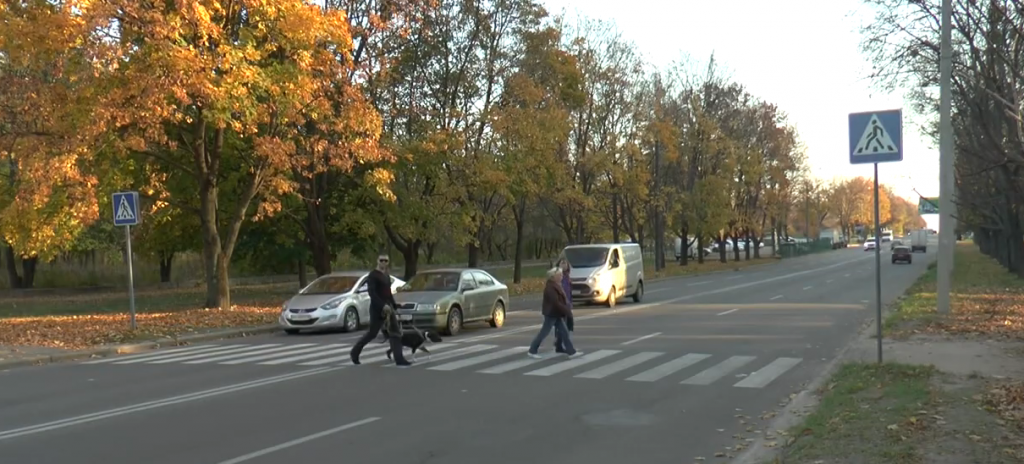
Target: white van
603, 273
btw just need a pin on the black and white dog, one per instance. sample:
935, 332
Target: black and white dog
415, 339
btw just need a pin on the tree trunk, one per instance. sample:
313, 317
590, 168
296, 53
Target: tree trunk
473, 252
223, 284
700, 248
303, 281
735, 246
720, 240
28, 271
747, 244
208, 216
166, 259
615, 218
431, 248
10, 262
316, 238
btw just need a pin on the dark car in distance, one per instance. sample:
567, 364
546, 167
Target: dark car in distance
901, 254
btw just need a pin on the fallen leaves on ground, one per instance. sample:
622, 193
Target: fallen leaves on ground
1007, 400
528, 286
77, 332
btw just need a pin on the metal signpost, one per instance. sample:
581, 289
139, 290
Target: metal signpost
877, 137
126, 213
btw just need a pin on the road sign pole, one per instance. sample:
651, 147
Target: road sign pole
131, 276
947, 219
878, 272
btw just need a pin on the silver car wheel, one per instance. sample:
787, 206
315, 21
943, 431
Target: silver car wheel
351, 320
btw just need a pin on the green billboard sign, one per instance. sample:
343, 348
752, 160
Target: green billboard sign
928, 205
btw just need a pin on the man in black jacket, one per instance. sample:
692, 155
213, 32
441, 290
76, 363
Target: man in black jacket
378, 286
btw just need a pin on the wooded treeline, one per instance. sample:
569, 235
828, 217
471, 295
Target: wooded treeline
284, 131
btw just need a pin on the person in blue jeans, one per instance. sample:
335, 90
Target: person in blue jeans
555, 311
566, 268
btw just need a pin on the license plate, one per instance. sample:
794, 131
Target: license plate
405, 317
300, 317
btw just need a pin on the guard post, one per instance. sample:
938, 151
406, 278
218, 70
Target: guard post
877, 137
126, 213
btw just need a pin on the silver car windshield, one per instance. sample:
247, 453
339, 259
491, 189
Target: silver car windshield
327, 285
433, 282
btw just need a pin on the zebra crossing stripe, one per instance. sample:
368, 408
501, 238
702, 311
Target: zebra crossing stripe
718, 371
511, 366
292, 356
769, 373
214, 349
479, 359
573, 363
669, 368
110, 359
451, 354
236, 349
250, 353
343, 358
620, 365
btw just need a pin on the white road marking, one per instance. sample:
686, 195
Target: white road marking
828, 281
87, 418
451, 354
344, 358
573, 363
153, 353
775, 297
249, 354
699, 283
511, 366
638, 307
480, 359
645, 337
236, 349
291, 356
808, 287
767, 374
718, 371
299, 441
846, 275
733, 277
620, 365
728, 312
219, 349
669, 368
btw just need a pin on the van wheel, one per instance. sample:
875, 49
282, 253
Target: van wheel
639, 294
611, 297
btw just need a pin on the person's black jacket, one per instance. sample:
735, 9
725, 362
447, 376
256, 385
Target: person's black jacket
378, 287
553, 303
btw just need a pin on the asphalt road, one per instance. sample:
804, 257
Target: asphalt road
663, 381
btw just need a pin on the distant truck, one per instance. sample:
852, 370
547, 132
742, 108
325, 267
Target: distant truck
834, 236
919, 240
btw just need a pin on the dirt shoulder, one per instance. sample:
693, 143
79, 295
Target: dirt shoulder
951, 391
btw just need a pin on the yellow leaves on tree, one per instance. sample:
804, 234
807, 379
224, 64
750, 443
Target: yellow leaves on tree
46, 84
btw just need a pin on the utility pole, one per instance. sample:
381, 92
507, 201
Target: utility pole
947, 219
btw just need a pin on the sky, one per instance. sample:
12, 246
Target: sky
802, 55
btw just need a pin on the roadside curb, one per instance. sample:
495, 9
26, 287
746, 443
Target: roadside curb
129, 348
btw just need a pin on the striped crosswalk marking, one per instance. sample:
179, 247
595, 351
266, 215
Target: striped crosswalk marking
151, 354
620, 365
217, 349
513, 365
669, 368
249, 353
603, 364
236, 349
451, 354
718, 371
479, 359
573, 363
767, 374
292, 356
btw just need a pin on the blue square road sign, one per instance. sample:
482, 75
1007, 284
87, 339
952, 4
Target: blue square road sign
126, 208
876, 137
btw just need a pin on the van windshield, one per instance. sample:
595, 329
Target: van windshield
586, 256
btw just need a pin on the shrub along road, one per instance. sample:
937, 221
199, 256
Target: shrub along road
692, 372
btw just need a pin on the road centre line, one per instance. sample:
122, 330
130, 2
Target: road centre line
299, 441
808, 287
87, 418
775, 297
728, 312
638, 307
645, 337
699, 283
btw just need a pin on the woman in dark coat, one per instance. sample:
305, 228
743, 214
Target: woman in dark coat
555, 310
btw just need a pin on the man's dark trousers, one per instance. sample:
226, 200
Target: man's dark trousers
376, 322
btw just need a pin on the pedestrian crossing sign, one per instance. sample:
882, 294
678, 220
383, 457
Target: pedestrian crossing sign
876, 137
126, 208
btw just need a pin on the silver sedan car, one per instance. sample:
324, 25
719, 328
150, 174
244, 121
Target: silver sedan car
333, 301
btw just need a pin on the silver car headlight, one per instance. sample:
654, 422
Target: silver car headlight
427, 307
333, 304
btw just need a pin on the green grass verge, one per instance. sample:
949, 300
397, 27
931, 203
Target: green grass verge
869, 413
